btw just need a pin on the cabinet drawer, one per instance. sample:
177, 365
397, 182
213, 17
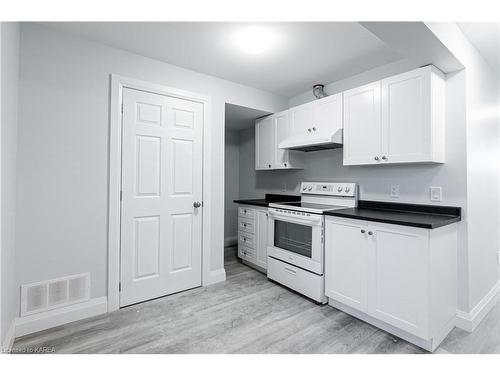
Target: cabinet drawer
246, 212
246, 239
304, 282
246, 225
246, 253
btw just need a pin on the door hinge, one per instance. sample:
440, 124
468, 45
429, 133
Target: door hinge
122, 107
121, 195
119, 287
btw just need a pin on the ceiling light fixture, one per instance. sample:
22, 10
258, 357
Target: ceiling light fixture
254, 39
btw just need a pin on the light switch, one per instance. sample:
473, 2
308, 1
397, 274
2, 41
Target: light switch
394, 191
436, 193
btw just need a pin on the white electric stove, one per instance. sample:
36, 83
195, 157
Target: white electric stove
296, 243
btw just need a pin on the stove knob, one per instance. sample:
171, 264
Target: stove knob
347, 190
309, 188
304, 188
339, 189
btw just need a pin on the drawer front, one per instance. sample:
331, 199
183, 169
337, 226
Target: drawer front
246, 239
304, 282
246, 253
246, 212
246, 225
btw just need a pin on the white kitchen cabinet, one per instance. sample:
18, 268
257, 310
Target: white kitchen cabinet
264, 143
345, 263
399, 119
362, 125
269, 132
322, 117
253, 235
401, 279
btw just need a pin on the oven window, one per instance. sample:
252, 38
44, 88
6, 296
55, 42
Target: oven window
293, 237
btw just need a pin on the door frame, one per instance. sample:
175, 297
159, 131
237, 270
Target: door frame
118, 83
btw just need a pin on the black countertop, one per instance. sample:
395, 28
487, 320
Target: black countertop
264, 202
412, 215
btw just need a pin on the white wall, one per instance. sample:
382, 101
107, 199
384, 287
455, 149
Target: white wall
374, 181
231, 183
63, 149
8, 134
483, 156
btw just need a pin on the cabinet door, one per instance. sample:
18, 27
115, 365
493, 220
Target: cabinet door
282, 131
346, 262
264, 143
397, 281
406, 117
328, 114
261, 241
301, 119
362, 125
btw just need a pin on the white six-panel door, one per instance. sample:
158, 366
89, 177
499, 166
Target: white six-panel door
161, 181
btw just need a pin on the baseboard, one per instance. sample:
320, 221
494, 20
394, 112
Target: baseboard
230, 241
53, 318
9, 338
216, 276
469, 321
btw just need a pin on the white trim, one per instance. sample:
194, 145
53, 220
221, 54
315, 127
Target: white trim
230, 241
8, 342
215, 276
469, 321
53, 318
117, 84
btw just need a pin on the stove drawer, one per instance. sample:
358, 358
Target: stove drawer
246, 225
246, 239
302, 281
246, 212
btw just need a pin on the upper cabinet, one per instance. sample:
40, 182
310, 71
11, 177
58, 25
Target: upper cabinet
397, 120
400, 119
362, 125
264, 142
269, 132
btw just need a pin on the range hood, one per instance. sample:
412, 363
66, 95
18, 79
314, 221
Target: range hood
313, 141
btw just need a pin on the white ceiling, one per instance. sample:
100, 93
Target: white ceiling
238, 117
304, 53
485, 36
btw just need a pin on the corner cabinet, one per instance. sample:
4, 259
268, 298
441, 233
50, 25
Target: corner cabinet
253, 235
400, 119
401, 279
269, 132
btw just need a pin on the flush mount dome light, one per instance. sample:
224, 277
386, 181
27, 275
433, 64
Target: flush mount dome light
254, 39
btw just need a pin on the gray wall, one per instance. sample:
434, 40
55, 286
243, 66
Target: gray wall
63, 149
9, 100
231, 183
483, 154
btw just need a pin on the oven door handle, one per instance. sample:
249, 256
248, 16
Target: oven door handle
316, 221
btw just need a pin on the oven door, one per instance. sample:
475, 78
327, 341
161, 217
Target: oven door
296, 239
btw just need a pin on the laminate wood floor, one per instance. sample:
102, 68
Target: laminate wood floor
245, 314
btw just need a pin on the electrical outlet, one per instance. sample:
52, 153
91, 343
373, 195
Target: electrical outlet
394, 191
436, 193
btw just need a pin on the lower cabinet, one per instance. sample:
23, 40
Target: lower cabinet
402, 279
252, 235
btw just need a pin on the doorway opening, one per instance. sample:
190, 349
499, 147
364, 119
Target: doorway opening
239, 168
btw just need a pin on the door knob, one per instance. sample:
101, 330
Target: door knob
197, 204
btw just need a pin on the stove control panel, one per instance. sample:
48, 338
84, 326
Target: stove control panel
342, 189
